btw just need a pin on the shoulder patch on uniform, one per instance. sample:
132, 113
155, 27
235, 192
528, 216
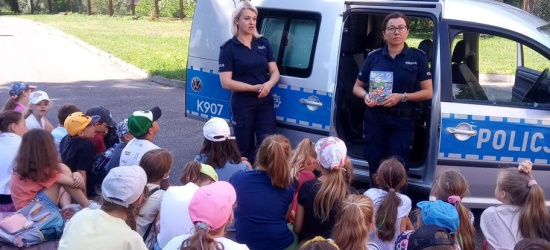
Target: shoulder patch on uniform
374, 51
415, 49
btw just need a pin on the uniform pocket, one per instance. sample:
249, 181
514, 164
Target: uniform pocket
411, 67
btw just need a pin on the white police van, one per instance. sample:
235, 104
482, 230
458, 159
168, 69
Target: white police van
475, 122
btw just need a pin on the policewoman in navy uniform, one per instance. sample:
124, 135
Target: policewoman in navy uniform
389, 124
248, 69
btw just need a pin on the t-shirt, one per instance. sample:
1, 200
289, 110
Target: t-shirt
174, 212
311, 225
136, 148
225, 172
21, 108
99, 145
228, 244
78, 153
32, 122
9, 147
148, 213
115, 156
96, 229
403, 210
58, 134
303, 176
23, 191
500, 226
261, 209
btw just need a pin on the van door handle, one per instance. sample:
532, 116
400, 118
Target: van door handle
461, 131
308, 102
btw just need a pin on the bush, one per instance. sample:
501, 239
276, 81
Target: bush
144, 8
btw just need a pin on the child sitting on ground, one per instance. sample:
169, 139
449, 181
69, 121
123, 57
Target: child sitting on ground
391, 207
302, 164
220, 150
101, 128
157, 164
112, 226
62, 114
174, 219
523, 213
451, 187
125, 136
77, 150
40, 105
356, 221
210, 210
19, 97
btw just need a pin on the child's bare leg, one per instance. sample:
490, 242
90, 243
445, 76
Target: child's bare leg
53, 193
64, 198
77, 195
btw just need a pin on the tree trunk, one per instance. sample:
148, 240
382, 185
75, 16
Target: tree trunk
32, 7
111, 12
89, 2
157, 12
50, 6
14, 6
181, 9
133, 7
68, 5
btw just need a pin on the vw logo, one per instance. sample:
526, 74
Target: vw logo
196, 84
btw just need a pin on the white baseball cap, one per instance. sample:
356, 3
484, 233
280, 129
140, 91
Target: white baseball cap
124, 185
38, 96
217, 129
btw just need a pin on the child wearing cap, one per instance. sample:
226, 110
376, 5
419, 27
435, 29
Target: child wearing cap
174, 217
101, 128
391, 207
112, 226
210, 211
39, 107
125, 136
144, 126
264, 196
157, 164
77, 150
62, 114
12, 129
319, 199
220, 150
431, 237
19, 97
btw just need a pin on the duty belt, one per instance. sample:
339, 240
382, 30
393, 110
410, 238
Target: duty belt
399, 112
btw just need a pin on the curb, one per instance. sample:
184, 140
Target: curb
129, 67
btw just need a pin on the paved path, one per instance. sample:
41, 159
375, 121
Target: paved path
71, 74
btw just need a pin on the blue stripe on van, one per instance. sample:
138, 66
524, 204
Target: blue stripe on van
505, 139
206, 98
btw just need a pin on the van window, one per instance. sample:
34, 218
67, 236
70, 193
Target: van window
497, 70
293, 36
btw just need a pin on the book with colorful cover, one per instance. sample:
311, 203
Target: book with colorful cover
380, 85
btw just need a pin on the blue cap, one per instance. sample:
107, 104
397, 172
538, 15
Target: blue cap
17, 87
439, 213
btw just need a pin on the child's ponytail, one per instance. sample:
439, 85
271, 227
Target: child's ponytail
273, 156
202, 239
391, 177
466, 229
10, 104
533, 221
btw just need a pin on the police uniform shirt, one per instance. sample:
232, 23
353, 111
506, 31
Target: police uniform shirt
410, 67
248, 65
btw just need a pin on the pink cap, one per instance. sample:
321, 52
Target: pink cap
331, 152
212, 204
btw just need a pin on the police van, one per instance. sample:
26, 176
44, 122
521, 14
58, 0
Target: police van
476, 122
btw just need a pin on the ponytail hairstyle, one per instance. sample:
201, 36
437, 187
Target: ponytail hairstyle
391, 177
301, 157
273, 156
202, 238
10, 104
451, 187
523, 191
132, 211
192, 173
356, 218
7, 118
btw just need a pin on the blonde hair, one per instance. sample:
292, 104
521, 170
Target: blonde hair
355, 220
450, 182
332, 191
533, 219
301, 155
243, 5
273, 156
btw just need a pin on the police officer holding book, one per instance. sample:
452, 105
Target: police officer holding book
397, 77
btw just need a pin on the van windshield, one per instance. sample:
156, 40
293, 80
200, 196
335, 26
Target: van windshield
545, 29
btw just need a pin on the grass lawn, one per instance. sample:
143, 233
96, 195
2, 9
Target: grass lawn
159, 47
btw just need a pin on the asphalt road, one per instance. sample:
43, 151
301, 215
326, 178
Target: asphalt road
71, 74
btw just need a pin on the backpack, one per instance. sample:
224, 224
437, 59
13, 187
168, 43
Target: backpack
37, 222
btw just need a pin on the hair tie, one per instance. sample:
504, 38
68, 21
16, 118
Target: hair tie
453, 199
532, 183
392, 190
203, 226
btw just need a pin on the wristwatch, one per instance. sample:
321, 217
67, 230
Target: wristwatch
404, 97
